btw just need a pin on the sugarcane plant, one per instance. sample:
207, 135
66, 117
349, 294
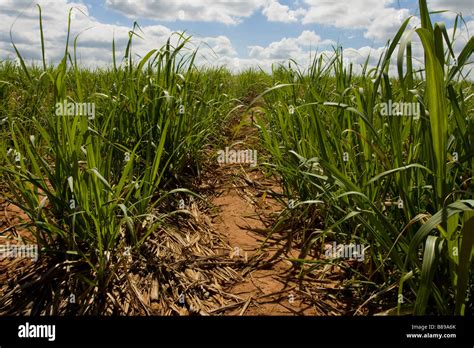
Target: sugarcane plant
354, 172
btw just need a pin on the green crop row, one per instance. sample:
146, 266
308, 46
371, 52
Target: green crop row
399, 185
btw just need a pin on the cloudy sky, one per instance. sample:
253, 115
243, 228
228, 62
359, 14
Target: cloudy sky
233, 33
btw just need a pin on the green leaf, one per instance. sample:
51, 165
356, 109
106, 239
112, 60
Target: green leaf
464, 266
430, 261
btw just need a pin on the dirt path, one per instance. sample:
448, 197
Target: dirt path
268, 291
243, 196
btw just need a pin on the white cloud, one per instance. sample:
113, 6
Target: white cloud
279, 50
224, 11
455, 6
463, 34
295, 48
378, 21
276, 12
309, 38
217, 46
386, 24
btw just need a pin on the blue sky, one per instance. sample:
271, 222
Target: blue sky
241, 33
